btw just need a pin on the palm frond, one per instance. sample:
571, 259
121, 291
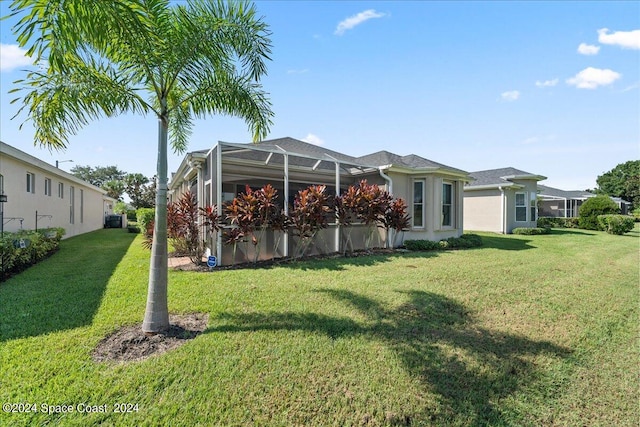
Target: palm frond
60, 104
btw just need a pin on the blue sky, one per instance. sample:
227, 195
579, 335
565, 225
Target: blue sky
552, 88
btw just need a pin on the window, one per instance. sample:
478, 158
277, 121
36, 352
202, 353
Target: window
71, 205
521, 207
31, 183
47, 186
447, 204
61, 190
533, 199
81, 206
418, 203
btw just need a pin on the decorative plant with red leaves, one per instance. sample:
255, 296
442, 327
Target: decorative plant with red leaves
253, 212
309, 215
396, 219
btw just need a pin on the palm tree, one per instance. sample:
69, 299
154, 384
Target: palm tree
101, 58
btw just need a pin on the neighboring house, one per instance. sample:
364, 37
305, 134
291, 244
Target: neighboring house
432, 191
553, 202
500, 200
39, 195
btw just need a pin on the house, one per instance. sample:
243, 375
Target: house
432, 191
500, 200
38, 195
553, 202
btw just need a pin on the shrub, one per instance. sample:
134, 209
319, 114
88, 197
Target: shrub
145, 218
530, 231
25, 248
421, 245
615, 224
594, 206
309, 215
465, 241
561, 222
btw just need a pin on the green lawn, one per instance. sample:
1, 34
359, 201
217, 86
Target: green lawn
527, 330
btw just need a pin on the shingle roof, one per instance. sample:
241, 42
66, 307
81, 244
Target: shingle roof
300, 147
556, 192
500, 176
412, 161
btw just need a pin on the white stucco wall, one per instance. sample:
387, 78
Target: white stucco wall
88, 206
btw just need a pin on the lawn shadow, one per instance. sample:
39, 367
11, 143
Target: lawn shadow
564, 231
469, 367
65, 290
505, 243
358, 259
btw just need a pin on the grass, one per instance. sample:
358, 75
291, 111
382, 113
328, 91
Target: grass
527, 330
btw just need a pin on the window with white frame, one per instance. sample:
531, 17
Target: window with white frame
61, 190
521, 207
31, 182
418, 203
533, 204
72, 204
447, 204
81, 206
47, 186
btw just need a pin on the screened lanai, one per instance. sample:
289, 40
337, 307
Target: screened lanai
220, 174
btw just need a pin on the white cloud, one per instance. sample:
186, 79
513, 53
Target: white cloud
588, 49
298, 71
625, 39
511, 95
591, 78
12, 56
313, 139
355, 20
547, 83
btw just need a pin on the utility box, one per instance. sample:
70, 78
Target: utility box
113, 221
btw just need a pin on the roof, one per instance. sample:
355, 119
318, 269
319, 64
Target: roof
562, 194
411, 161
8, 150
501, 177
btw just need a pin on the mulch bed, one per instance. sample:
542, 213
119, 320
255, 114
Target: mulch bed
129, 343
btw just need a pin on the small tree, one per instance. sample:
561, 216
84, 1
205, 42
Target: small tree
183, 228
592, 207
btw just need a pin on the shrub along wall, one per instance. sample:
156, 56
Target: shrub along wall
549, 222
25, 248
465, 241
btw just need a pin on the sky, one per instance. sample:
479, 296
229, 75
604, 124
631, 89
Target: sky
550, 88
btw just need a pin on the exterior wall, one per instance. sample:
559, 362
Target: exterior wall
84, 213
482, 210
403, 186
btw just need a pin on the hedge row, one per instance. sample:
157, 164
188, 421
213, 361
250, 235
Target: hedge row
530, 231
25, 248
463, 242
571, 222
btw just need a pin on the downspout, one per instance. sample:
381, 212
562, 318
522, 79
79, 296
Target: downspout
219, 199
502, 206
390, 186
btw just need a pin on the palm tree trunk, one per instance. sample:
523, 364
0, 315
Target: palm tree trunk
156, 316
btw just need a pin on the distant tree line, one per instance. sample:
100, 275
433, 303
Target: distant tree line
622, 181
140, 189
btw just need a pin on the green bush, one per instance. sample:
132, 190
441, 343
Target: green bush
37, 246
594, 206
615, 224
145, 218
550, 222
132, 215
530, 231
463, 242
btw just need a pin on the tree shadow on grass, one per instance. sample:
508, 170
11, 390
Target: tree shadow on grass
469, 368
504, 243
65, 290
